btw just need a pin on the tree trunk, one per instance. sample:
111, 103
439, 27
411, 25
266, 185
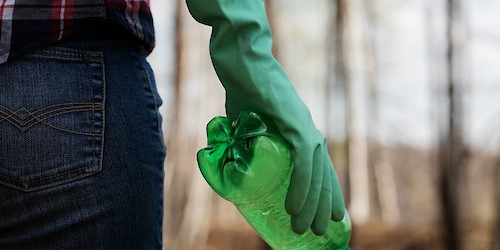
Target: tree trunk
451, 145
386, 186
497, 231
383, 169
354, 41
340, 79
188, 225
173, 210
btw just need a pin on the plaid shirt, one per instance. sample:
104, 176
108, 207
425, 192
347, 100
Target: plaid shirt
27, 25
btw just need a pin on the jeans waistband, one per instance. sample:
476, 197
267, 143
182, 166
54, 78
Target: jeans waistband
106, 43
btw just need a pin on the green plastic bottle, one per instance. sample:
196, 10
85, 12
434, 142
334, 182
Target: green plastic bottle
251, 168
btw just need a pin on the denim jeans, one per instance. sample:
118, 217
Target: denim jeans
81, 149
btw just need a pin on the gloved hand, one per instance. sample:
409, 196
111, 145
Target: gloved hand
240, 48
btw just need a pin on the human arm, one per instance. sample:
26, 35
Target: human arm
240, 48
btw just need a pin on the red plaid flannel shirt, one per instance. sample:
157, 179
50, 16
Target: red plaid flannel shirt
27, 25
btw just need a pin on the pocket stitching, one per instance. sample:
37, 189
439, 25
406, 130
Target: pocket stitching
40, 118
92, 115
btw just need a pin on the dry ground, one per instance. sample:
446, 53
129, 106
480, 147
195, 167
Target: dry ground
369, 236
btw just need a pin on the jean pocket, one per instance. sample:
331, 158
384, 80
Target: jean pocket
51, 118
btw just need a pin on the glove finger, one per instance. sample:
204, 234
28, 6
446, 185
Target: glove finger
300, 182
338, 204
324, 211
304, 219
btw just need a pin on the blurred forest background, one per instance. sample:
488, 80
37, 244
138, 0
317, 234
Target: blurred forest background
407, 93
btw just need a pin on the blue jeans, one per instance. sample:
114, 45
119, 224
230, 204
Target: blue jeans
81, 149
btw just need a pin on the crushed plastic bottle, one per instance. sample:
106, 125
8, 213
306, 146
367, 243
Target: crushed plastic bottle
250, 167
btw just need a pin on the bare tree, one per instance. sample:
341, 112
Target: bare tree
497, 226
353, 40
380, 155
173, 211
340, 76
187, 225
451, 149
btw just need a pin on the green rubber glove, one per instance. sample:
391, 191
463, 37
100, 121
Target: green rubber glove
240, 48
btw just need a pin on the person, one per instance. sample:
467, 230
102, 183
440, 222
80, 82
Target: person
81, 147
